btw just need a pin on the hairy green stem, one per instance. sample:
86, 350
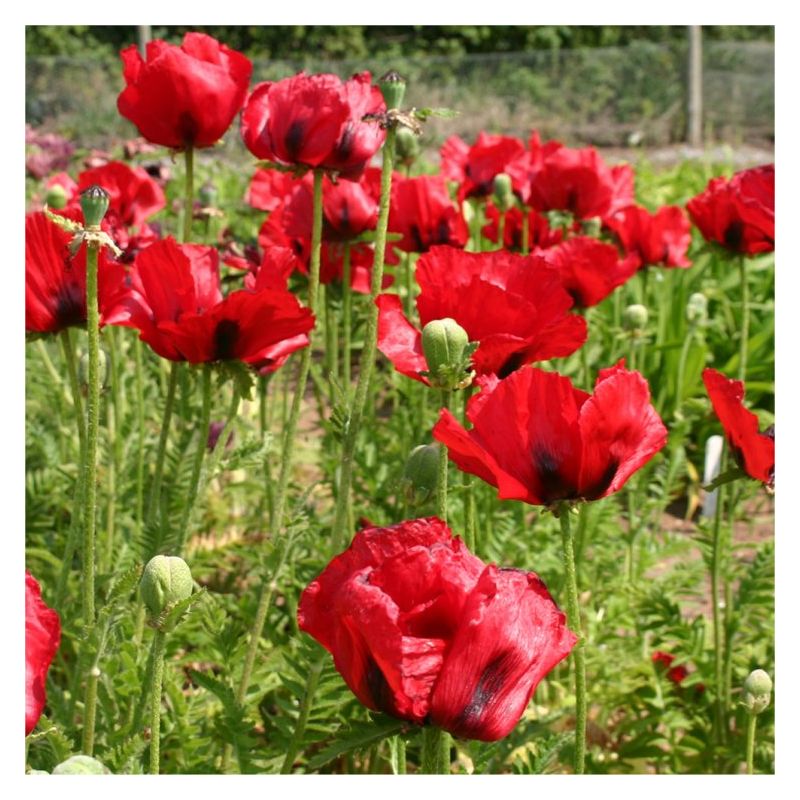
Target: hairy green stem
159, 641
347, 317
367, 359
90, 711
92, 424
579, 657
139, 384
441, 483
687, 343
72, 372
302, 718
154, 503
719, 645
751, 741
435, 751
501, 230
188, 201
200, 451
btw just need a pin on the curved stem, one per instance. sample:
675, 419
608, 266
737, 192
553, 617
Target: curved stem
579, 658
751, 741
367, 359
745, 333
435, 751
202, 440
302, 718
159, 640
188, 202
155, 489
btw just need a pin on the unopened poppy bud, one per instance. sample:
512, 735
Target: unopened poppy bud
208, 195
94, 204
697, 308
406, 146
56, 196
166, 580
757, 691
81, 765
503, 196
445, 345
634, 318
393, 88
421, 474
102, 369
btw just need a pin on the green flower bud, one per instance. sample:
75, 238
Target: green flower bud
393, 88
81, 765
634, 318
446, 347
166, 580
94, 203
102, 369
503, 196
56, 197
421, 474
591, 226
697, 308
208, 195
757, 691
406, 146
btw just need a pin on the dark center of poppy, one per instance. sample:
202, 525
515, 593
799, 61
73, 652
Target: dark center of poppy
511, 364
187, 127
225, 337
554, 486
70, 306
734, 234
294, 138
416, 237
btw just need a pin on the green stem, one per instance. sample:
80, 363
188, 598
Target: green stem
202, 441
408, 273
212, 465
441, 483
716, 564
526, 226
188, 202
367, 359
154, 502
159, 640
347, 316
687, 343
90, 710
501, 230
435, 751
751, 741
400, 746
92, 423
72, 372
574, 618
139, 383
302, 718
745, 331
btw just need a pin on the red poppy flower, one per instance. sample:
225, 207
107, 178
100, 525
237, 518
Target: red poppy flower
575, 180
183, 96
133, 194
649, 239
476, 167
42, 637
538, 439
676, 674
177, 305
589, 270
421, 629
738, 213
55, 283
423, 213
754, 451
315, 121
513, 305
540, 234
269, 188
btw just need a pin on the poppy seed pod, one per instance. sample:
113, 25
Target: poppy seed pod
406, 146
697, 308
94, 204
634, 318
503, 196
757, 691
166, 580
444, 343
421, 474
81, 765
56, 196
393, 88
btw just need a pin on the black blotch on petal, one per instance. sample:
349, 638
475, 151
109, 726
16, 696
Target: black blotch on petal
489, 684
554, 486
294, 138
597, 489
511, 364
344, 147
225, 336
733, 235
378, 686
187, 127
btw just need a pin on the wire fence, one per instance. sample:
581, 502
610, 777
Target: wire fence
604, 96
